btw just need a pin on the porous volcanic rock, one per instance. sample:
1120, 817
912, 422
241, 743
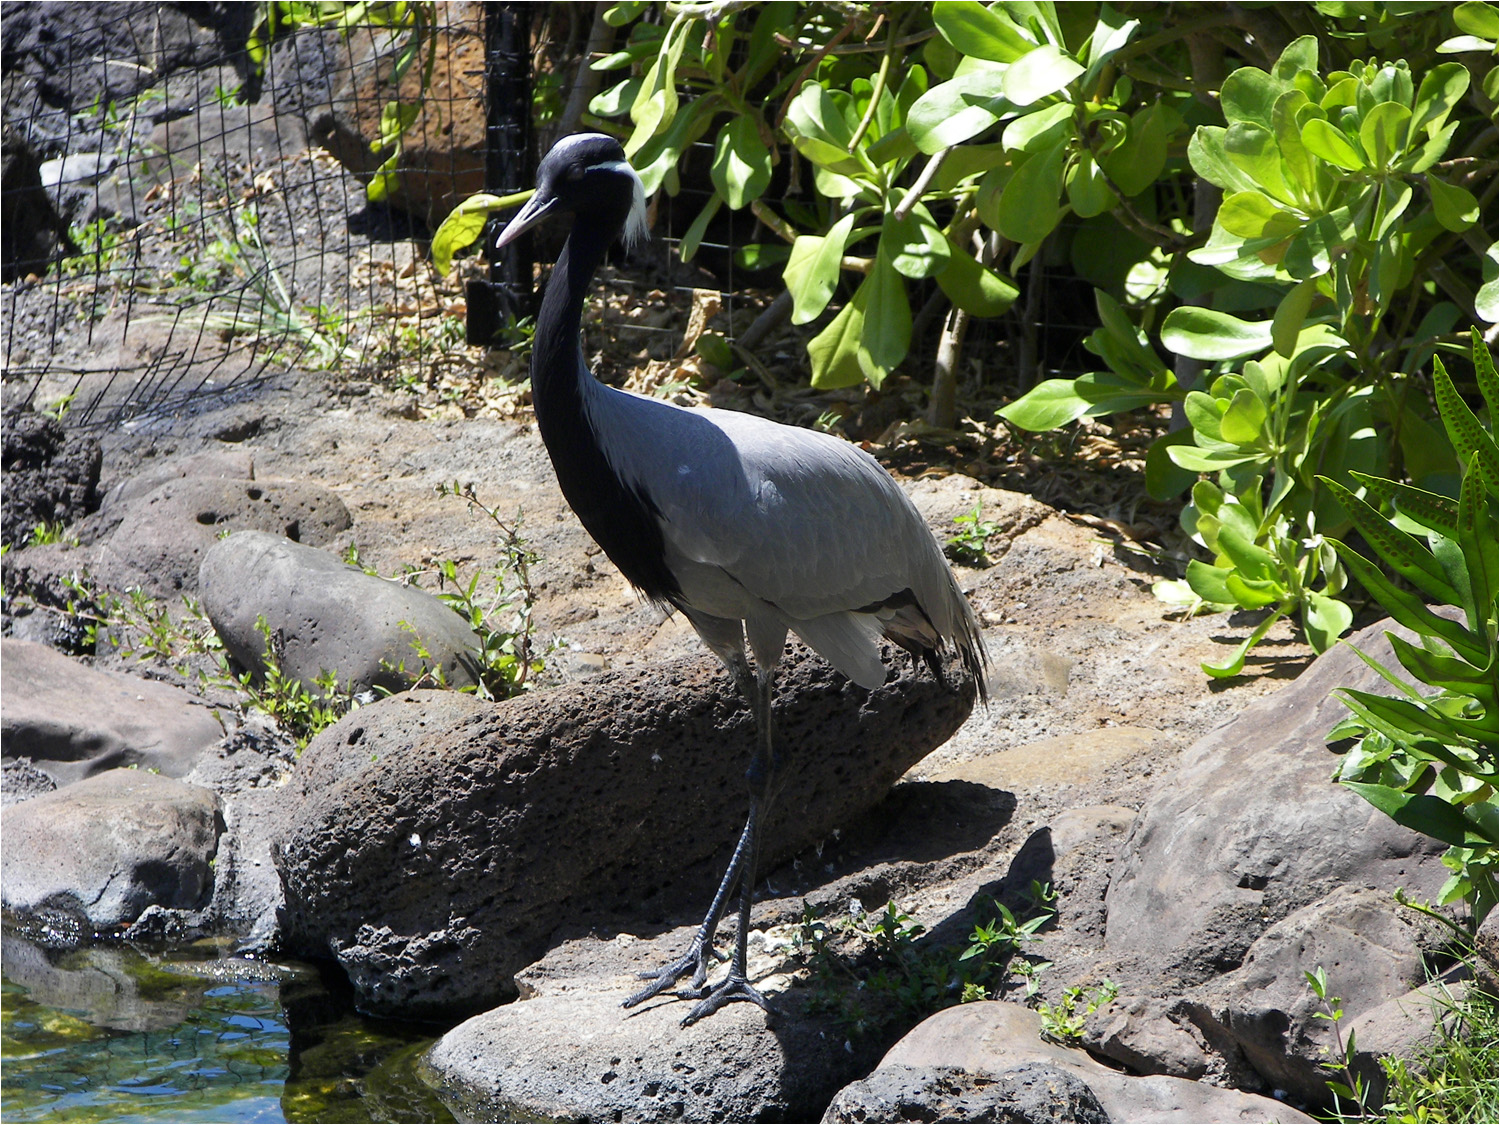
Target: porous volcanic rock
1251, 827
73, 721
568, 1052
1031, 1092
50, 476
329, 616
110, 846
994, 1037
442, 840
163, 535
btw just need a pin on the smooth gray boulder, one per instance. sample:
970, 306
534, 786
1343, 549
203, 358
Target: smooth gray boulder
993, 1037
441, 840
108, 847
329, 616
566, 1051
1251, 828
1372, 951
1031, 1092
73, 721
163, 535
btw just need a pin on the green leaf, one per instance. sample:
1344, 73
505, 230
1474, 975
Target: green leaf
1299, 167
617, 99
1250, 214
1420, 812
887, 335
1208, 461
466, 222
1383, 133
1206, 334
1402, 552
689, 244
1257, 153
1479, 19
1484, 371
1323, 139
978, 31
957, 110
1041, 129
1253, 593
1252, 561
1042, 71
1048, 405
1406, 607
1325, 619
812, 271
1432, 511
1442, 88
1164, 478
915, 245
1029, 206
820, 132
1455, 207
1236, 663
1444, 671
1137, 162
1248, 94
1208, 582
834, 352
1209, 157
1291, 314
1243, 421
1088, 193
1473, 442
973, 287
741, 169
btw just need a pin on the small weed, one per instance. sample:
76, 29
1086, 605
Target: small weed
47, 532
869, 972
1345, 1085
967, 546
1063, 1022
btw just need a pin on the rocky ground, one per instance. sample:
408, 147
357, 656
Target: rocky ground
452, 854
506, 867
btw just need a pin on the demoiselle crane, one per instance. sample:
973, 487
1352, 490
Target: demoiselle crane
749, 527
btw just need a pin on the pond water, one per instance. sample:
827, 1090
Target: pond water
112, 1033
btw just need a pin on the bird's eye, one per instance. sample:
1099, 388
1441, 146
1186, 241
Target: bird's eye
574, 172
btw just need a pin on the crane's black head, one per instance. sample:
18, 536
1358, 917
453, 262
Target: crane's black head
585, 174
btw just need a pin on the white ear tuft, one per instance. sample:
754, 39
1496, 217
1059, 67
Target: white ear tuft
636, 233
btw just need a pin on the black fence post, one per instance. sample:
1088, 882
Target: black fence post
510, 166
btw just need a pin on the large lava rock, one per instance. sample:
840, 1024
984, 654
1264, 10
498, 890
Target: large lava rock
330, 616
1251, 827
50, 477
110, 846
441, 841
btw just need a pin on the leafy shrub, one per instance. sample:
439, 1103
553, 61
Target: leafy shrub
1429, 760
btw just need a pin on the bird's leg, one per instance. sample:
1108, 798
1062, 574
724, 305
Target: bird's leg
764, 777
700, 953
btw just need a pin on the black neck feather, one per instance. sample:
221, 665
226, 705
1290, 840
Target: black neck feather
620, 517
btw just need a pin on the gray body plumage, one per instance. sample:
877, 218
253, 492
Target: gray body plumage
784, 528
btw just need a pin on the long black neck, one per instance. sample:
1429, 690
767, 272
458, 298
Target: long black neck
620, 516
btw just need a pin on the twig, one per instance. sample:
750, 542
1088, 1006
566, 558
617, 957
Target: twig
934, 162
875, 91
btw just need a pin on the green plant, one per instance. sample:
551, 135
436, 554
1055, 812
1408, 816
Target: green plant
412, 28
1455, 1078
1345, 1084
1426, 759
967, 545
47, 533
869, 971
1063, 1022
299, 711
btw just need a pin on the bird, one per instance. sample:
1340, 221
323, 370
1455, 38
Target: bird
750, 528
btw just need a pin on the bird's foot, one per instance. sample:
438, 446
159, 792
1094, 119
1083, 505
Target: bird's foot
694, 961
733, 987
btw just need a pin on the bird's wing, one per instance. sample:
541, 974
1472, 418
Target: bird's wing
802, 520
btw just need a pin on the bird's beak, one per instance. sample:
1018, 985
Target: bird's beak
537, 208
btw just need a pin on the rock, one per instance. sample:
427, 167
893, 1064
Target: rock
1250, 828
993, 1037
73, 721
329, 616
31, 231
568, 1052
23, 781
163, 535
443, 152
222, 463
110, 846
1371, 950
1025, 1093
441, 840
50, 476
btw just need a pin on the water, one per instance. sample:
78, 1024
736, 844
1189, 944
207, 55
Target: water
110, 1033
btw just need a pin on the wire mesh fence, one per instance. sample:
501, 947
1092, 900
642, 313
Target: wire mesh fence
187, 213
